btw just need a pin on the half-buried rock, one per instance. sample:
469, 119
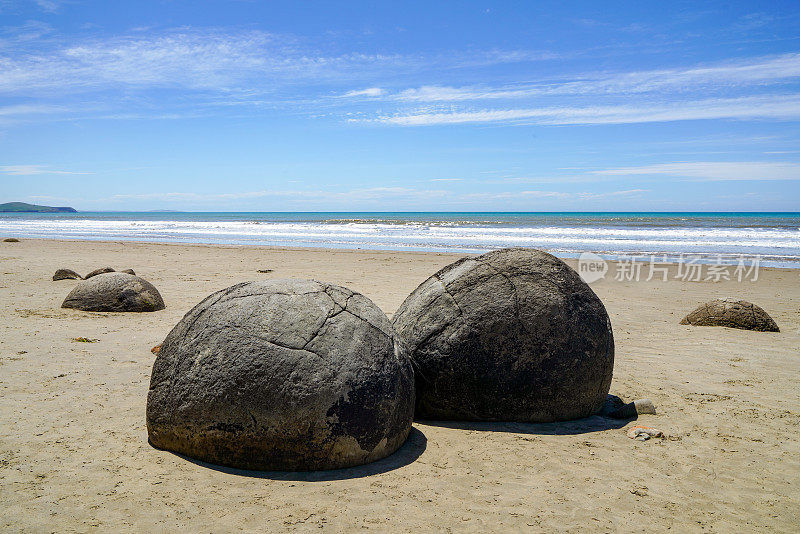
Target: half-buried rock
98, 271
291, 375
733, 314
66, 274
512, 335
114, 292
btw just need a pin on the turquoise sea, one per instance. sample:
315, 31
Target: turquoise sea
709, 237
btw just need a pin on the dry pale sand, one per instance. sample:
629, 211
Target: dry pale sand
73, 443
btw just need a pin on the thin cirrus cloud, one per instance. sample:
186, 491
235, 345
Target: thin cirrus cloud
31, 170
48, 6
713, 170
194, 60
784, 107
774, 69
216, 60
359, 194
370, 91
404, 196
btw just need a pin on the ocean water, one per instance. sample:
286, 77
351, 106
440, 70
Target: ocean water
706, 237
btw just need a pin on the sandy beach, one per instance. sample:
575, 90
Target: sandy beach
74, 454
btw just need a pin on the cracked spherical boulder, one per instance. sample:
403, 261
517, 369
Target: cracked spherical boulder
114, 292
512, 335
733, 314
290, 375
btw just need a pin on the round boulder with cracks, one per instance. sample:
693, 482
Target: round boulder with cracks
292, 375
512, 335
114, 292
733, 314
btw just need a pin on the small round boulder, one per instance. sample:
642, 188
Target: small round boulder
290, 375
733, 314
114, 292
66, 274
512, 335
101, 270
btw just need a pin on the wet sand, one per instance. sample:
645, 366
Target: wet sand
73, 443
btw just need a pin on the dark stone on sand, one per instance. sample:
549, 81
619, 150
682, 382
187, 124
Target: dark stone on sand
66, 274
11, 240
282, 375
733, 314
114, 292
129, 271
512, 335
98, 271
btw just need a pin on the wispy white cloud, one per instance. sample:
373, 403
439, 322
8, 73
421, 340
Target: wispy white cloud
50, 6
30, 170
512, 195
714, 170
249, 62
28, 31
785, 107
360, 194
399, 197
27, 109
371, 91
769, 69
612, 194
198, 60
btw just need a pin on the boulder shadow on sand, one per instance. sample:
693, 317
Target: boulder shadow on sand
599, 422
408, 453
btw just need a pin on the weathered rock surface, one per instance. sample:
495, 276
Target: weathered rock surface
282, 375
733, 314
114, 292
66, 274
512, 335
98, 271
129, 271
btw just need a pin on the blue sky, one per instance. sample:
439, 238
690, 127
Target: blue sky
448, 106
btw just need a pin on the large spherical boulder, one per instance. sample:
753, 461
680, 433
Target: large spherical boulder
282, 375
512, 335
733, 314
114, 292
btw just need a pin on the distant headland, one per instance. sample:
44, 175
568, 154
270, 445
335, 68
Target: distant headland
22, 207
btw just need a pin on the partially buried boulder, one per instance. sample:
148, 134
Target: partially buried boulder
129, 271
733, 314
282, 375
114, 292
102, 270
66, 274
512, 335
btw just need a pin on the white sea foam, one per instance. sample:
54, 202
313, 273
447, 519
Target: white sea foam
780, 242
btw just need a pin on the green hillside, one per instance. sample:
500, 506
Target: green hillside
22, 207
